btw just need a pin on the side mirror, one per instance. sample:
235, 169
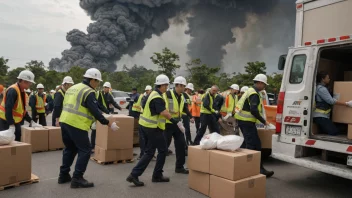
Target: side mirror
282, 61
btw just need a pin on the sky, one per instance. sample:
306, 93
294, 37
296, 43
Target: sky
36, 30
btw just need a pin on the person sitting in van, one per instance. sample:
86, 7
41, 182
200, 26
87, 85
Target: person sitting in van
323, 104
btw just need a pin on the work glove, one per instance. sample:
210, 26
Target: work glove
181, 127
94, 126
349, 103
114, 126
216, 112
12, 129
34, 124
227, 116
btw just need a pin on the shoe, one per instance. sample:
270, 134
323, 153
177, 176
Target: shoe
134, 180
64, 179
181, 170
81, 183
160, 179
266, 173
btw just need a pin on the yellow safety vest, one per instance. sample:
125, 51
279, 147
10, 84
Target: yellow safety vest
18, 110
40, 103
246, 115
137, 106
231, 103
62, 93
73, 113
204, 110
147, 120
173, 107
99, 93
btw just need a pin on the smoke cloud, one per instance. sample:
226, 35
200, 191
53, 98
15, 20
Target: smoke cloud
121, 27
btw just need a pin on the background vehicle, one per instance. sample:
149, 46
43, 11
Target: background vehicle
121, 98
323, 41
272, 98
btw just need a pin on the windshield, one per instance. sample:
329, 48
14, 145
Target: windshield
119, 94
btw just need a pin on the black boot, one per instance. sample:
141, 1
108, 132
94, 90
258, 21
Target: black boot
266, 172
160, 179
134, 180
81, 183
64, 179
181, 170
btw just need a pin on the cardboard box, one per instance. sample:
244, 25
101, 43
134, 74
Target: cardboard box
37, 137
349, 133
198, 159
341, 114
121, 139
199, 181
104, 155
234, 165
16, 163
347, 76
55, 138
251, 187
124, 154
265, 137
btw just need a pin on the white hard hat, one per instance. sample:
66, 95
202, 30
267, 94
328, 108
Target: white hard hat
93, 73
44, 93
52, 91
261, 78
235, 87
148, 88
67, 80
180, 80
26, 75
40, 86
244, 89
162, 80
57, 86
107, 84
28, 90
190, 86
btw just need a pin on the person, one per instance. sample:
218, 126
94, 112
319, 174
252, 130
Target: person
196, 105
38, 102
176, 104
242, 91
79, 111
12, 108
230, 101
152, 122
248, 113
67, 82
208, 116
138, 108
323, 105
186, 118
49, 107
52, 94
134, 99
1, 92
107, 99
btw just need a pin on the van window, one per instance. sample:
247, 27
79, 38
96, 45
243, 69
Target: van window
297, 69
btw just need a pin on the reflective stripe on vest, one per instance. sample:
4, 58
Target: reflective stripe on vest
146, 118
18, 110
100, 94
322, 111
73, 113
40, 103
173, 107
137, 105
243, 114
204, 110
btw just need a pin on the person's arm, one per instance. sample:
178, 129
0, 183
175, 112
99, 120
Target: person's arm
11, 97
92, 105
58, 101
27, 117
254, 102
50, 102
186, 110
324, 94
113, 102
32, 101
144, 100
101, 105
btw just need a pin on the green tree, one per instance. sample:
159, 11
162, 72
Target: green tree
141, 76
3, 69
12, 75
252, 69
166, 62
274, 82
76, 73
53, 78
121, 81
201, 75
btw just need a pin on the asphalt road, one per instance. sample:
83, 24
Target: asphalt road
289, 181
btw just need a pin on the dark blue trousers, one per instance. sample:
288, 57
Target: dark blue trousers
172, 130
250, 134
142, 140
326, 126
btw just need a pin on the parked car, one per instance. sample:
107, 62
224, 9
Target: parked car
121, 98
272, 99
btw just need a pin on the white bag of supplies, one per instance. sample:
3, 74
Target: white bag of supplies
7, 136
210, 141
229, 142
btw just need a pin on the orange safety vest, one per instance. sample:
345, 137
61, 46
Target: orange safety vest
40, 103
18, 110
196, 105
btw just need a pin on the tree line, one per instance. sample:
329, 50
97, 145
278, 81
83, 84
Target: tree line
138, 76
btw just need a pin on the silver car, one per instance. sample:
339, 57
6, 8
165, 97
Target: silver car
121, 98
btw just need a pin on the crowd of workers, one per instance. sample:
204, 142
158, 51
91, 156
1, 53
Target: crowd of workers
163, 114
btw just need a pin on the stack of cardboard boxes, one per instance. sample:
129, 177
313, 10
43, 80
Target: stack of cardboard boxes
216, 173
115, 145
265, 137
16, 163
43, 138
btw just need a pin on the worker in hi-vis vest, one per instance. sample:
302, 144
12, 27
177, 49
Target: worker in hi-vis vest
67, 82
13, 106
249, 111
186, 118
80, 110
38, 103
152, 121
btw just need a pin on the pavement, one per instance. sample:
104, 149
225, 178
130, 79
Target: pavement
289, 181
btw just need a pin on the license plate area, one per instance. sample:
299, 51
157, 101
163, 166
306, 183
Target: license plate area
349, 160
293, 130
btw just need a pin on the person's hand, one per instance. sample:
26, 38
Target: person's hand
349, 103
57, 123
227, 116
114, 126
181, 127
192, 120
34, 124
267, 123
216, 112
